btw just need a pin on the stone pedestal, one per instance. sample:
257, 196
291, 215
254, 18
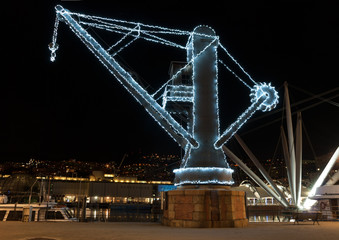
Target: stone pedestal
204, 208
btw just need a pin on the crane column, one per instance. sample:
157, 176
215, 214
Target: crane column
206, 164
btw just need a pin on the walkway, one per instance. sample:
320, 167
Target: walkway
148, 231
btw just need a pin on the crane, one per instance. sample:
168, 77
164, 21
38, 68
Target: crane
204, 161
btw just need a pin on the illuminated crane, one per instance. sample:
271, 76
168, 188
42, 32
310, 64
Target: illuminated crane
204, 161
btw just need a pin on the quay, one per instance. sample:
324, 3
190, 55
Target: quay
149, 231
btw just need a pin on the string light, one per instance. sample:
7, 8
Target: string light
202, 175
53, 46
162, 117
263, 96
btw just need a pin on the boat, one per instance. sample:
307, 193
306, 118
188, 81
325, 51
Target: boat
50, 211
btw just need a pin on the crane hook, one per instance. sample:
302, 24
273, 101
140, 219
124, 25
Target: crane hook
53, 47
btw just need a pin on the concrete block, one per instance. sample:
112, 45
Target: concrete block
223, 215
205, 208
238, 215
238, 207
183, 199
198, 199
164, 221
223, 206
240, 223
171, 199
171, 207
176, 223
229, 193
181, 215
199, 207
184, 207
199, 216
192, 224
227, 199
206, 224
229, 215
222, 192
176, 192
220, 224
241, 194
184, 211
171, 215
222, 199
194, 192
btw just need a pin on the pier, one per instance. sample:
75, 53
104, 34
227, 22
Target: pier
148, 231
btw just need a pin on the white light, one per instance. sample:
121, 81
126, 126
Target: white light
204, 169
271, 94
263, 96
202, 175
310, 202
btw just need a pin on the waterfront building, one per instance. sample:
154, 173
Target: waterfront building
120, 191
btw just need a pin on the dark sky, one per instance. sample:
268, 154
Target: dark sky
74, 108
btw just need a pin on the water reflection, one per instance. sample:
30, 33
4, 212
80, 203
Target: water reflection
146, 215
114, 215
263, 218
268, 218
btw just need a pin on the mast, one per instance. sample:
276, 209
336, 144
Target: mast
298, 158
291, 149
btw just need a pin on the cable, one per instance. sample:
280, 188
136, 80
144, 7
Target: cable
234, 74
316, 95
309, 140
235, 61
276, 120
295, 104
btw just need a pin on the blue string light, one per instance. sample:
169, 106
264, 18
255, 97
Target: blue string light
263, 96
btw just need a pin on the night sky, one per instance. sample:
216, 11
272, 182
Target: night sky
74, 108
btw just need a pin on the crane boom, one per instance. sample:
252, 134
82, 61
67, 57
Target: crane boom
164, 119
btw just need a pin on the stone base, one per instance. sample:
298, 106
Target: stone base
204, 208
